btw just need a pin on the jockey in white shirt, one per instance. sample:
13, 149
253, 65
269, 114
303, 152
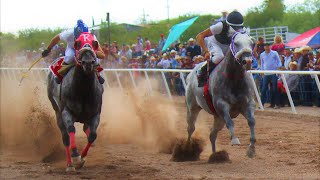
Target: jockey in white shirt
215, 41
70, 36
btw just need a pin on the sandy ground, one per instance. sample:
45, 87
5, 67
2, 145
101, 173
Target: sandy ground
135, 133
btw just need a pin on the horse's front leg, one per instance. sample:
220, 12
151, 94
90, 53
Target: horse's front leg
69, 139
93, 125
248, 113
223, 110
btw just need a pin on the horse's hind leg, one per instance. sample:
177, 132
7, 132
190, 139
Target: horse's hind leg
249, 115
218, 124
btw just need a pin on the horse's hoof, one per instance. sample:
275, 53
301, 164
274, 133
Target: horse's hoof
77, 162
251, 151
235, 141
70, 169
219, 157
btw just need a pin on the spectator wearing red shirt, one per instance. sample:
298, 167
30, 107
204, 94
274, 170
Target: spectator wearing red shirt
278, 45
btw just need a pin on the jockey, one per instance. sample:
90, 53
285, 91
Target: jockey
217, 36
70, 36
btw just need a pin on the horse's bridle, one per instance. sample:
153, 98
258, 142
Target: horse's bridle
233, 49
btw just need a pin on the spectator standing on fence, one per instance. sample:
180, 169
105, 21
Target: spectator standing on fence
270, 60
140, 39
278, 45
162, 41
139, 48
148, 44
193, 49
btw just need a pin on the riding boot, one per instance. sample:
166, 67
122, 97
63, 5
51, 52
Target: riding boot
100, 78
202, 73
62, 71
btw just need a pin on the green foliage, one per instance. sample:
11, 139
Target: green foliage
153, 30
299, 18
29, 39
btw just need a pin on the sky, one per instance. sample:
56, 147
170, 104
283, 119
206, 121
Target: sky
24, 14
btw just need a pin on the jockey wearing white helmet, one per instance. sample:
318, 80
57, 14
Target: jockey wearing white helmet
218, 38
70, 36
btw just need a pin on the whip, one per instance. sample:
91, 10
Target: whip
24, 74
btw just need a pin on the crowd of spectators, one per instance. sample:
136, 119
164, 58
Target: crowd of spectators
186, 55
275, 56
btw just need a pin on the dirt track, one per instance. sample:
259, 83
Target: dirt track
288, 146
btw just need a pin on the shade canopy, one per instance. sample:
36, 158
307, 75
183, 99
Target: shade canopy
310, 38
177, 30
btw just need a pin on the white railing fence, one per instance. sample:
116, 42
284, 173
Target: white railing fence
39, 74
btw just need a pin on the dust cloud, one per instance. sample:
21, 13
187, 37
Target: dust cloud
134, 115
27, 122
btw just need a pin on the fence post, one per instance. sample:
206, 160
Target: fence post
106, 78
14, 75
256, 92
166, 85
148, 81
118, 79
183, 81
317, 82
288, 93
132, 79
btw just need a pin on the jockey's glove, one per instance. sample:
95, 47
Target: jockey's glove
46, 52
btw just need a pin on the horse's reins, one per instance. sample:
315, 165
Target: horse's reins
233, 49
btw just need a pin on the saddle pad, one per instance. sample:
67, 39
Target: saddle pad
55, 66
208, 98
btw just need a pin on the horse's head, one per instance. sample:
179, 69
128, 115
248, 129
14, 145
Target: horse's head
242, 48
86, 47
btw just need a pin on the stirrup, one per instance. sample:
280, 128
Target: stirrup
57, 79
101, 79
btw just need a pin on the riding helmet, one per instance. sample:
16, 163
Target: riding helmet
80, 28
235, 19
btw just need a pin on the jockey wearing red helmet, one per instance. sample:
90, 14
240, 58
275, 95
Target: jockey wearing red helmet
215, 41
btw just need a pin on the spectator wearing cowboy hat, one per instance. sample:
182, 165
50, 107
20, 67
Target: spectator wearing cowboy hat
305, 60
288, 57
305, 80
193, 49
270, 60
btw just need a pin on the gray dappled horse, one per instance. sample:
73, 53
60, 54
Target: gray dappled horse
77, 99
231, 90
